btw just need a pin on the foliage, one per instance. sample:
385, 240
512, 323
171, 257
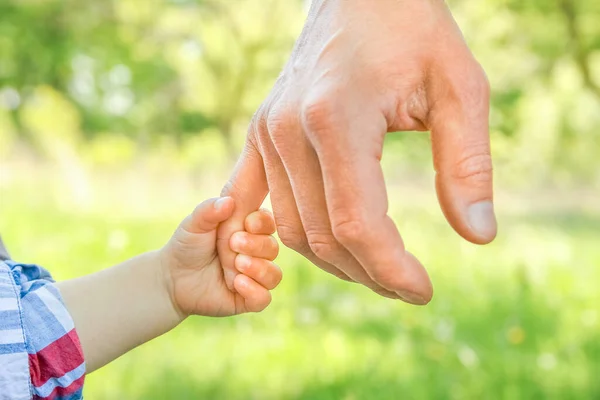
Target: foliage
145, 68
160, 71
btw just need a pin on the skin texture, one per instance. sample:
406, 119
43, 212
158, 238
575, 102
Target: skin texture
361, 69
119, 308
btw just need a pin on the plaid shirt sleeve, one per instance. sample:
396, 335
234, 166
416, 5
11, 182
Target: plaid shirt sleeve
40, 353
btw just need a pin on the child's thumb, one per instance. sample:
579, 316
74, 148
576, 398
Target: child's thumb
208, 215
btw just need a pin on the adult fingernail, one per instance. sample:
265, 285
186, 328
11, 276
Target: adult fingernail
220, 203
243, 262
482, 219
412, 298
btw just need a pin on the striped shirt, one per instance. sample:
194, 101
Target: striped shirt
40, 353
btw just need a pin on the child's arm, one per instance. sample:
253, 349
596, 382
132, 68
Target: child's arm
122, 307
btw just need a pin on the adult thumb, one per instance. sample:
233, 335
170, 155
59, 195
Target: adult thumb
461, 152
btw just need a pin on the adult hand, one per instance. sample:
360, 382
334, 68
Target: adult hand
360, 69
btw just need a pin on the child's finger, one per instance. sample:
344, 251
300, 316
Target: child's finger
256, 297
264, 272
261, 246
208, 214
260, 222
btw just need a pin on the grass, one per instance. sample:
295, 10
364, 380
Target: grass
518, 319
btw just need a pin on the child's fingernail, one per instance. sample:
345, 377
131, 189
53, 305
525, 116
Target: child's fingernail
220, 203
239, 241
243, 262
230, 277
243, 283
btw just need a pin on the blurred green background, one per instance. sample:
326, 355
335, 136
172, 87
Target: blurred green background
118, 116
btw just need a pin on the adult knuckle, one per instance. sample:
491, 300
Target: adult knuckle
279, 125
279, 121
349, 231
319, 115
324, 246
258, 121
476, 166
257, 130
292, 237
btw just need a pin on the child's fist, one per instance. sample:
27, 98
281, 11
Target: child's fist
195, 276
256, 250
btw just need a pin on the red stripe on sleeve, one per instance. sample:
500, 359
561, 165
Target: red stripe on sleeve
61, 392
56, 359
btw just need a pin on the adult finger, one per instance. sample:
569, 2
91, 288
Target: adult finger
285, 209
248, 187
349, 145
302, 166
461, 151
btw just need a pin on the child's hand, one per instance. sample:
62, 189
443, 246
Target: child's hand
195, 275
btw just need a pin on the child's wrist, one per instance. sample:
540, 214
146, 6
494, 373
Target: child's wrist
166, 284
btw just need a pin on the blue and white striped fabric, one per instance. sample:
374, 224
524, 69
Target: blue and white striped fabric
14, 361
40, 353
